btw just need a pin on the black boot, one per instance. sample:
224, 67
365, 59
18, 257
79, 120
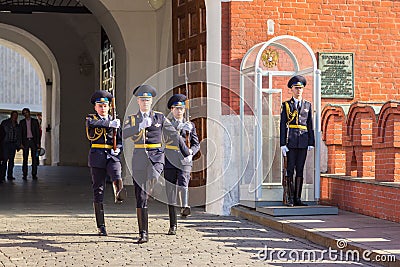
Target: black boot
142, 217
297, 196
185, 210
119, 191
173, 225
99, 212
290, 191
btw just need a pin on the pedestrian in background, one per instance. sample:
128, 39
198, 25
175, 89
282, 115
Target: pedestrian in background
12, 142
2, 136
30, 140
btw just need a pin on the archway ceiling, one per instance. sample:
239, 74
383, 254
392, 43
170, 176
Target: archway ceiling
52, 6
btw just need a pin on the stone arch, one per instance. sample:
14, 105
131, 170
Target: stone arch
110, 25
45, 62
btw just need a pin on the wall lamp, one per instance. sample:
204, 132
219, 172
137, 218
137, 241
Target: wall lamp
156, 4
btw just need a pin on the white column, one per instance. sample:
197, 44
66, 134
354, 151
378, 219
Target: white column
214, 202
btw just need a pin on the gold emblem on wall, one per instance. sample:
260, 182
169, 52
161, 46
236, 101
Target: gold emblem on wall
270, 58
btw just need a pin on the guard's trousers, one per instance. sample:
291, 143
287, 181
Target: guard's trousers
141, 179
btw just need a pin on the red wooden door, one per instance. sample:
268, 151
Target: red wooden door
189, 44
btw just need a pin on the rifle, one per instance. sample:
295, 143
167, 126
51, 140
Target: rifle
114, 116
285, 182
113, 106
118, 185
187, 117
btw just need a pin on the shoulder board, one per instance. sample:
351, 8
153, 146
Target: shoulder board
131, 119
157, 112
91, 116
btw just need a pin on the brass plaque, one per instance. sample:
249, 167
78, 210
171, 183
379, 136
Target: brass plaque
337, 75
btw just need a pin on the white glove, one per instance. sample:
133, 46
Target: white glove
116, 123
188, 159
190, 151
309, 148
145, 123
180, 126
187, 126
284, 150
115, 152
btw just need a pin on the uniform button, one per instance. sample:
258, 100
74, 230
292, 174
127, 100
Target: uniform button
147, 138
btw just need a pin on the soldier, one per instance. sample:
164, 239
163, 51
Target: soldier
296, 137
103, 160
146, 128
177, 168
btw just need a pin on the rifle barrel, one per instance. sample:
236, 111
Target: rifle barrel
114, 116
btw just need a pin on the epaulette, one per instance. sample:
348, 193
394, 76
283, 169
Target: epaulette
157, 112
131, 119
90, 115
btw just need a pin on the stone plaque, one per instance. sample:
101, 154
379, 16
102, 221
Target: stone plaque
337, 74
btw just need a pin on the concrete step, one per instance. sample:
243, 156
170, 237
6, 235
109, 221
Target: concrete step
346, 232
298, 210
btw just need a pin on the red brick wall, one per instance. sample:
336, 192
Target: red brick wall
366, 198
368, 140
225, 54
386, 143
333, 121
368, 28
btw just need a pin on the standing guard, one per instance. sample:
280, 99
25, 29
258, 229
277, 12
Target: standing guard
296, 137
103, 159
146, 129
177, 167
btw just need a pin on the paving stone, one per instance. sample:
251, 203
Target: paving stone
50, 222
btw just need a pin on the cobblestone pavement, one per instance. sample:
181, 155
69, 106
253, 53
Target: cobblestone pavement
50, 222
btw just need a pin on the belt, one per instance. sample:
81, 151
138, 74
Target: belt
102, 146
147, 145
172, 147
301, 127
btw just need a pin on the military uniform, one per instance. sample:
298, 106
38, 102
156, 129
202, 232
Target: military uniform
101, 160
177, 167
297, 134
148, 156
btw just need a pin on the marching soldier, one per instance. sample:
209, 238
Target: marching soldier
103, 159
296, 137
177, 167
146, 129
